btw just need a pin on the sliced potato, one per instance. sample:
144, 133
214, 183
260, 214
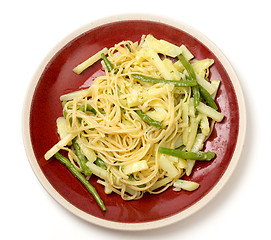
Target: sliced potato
186, 185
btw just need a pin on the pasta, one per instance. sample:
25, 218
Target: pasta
122, 122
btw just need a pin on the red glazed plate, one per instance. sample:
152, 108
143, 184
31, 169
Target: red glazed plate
55, 78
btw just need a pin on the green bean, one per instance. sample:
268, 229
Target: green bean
196, 95
64, 111
148, 120
81, 108
131, 177
81, 157
188, 155
107, 63
207, 97
100, 163
88, 108
187, 66
192, 75
101, 111
176, 83
91, 109
81, 178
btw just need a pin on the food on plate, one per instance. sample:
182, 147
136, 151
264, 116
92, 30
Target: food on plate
141, 127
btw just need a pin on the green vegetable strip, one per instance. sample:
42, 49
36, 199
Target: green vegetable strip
81, 108
181, 83
101, 111
187, 155
187, 66
81, 157
131, 177
81, 178
192, 75
89, 108
196, 95
148, 120
207, 97
100, 163
64, 111
108, 64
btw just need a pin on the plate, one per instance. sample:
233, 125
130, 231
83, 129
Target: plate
55, 77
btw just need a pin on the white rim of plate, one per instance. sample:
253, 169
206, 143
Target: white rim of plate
152, 224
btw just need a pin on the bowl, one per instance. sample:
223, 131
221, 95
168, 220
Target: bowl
55, 77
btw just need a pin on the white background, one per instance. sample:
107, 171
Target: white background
241, 29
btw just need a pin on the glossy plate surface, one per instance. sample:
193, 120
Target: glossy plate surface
55, 78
